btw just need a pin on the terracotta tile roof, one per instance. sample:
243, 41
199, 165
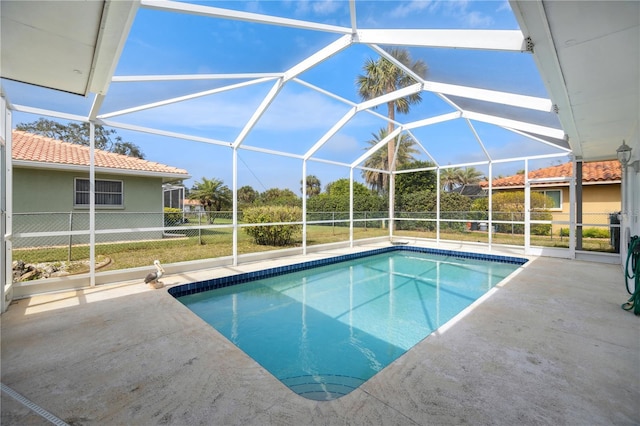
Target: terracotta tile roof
593, 172
31, 147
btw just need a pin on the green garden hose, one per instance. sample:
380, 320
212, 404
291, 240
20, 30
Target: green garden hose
633, 256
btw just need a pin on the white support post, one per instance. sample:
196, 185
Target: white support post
527, 209
490, 229
572, 211
391, 204
304, 207
234, 206
6, 217
92, 203
351, 207
438, 208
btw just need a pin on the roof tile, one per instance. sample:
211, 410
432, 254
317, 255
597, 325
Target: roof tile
596, 171
31, 147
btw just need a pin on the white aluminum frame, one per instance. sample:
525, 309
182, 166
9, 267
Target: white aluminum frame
502, 40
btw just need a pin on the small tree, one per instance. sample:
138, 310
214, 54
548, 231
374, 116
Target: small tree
279, 197
247, 195
336, 199
509, 206
409, 183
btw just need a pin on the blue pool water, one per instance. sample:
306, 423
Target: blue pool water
324, 331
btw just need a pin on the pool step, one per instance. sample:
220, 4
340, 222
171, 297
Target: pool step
322, 387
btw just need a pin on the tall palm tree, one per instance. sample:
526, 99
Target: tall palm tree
382, 77
380, 159
212, 194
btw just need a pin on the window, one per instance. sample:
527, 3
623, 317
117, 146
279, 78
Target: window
556, 196
108, 193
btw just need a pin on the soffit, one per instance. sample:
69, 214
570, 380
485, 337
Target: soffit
589, 56
70, 46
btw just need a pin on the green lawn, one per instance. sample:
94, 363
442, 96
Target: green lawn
213, 243
204, 244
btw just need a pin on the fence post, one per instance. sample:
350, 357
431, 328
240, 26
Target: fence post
512, 225
200, 228
333, 223
70, 236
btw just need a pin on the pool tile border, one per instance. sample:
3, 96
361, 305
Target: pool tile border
212, 284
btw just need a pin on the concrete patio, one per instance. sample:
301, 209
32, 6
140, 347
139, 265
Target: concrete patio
550, 346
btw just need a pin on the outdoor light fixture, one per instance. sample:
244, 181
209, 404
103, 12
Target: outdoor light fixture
624, 154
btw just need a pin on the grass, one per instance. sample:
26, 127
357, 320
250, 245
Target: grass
588, 244
214, 243
208, 244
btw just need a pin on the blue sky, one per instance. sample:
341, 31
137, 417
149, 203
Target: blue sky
168, 43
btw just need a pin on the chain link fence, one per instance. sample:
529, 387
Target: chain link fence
128, 240
600, 231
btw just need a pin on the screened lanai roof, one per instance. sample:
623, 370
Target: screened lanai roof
280, 77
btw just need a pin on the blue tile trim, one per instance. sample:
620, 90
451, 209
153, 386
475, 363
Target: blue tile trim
200, 286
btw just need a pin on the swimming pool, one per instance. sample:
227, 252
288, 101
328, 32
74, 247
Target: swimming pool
325, 327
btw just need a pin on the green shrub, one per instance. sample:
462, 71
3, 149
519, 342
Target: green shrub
595, 233
542, 228
273, 235
172, 216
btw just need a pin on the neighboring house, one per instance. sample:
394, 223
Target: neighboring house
173, 196
600, 190
192, 206
51, 191
472, 191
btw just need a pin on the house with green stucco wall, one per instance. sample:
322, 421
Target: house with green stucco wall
51, 193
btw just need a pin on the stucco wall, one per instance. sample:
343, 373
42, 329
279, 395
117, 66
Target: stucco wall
38, 190
44, 202
597, 202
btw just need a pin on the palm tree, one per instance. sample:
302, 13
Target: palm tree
379, 160
470, 176
212, 194
450, 178
313, 185
382, 77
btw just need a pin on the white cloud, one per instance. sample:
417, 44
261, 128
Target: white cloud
232, 110
300, 111
342, 143
477, 20
322, 7
406, 9
326, 7
504, 7
455, 9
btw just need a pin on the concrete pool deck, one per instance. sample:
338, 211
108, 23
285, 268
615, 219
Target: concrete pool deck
549, 346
